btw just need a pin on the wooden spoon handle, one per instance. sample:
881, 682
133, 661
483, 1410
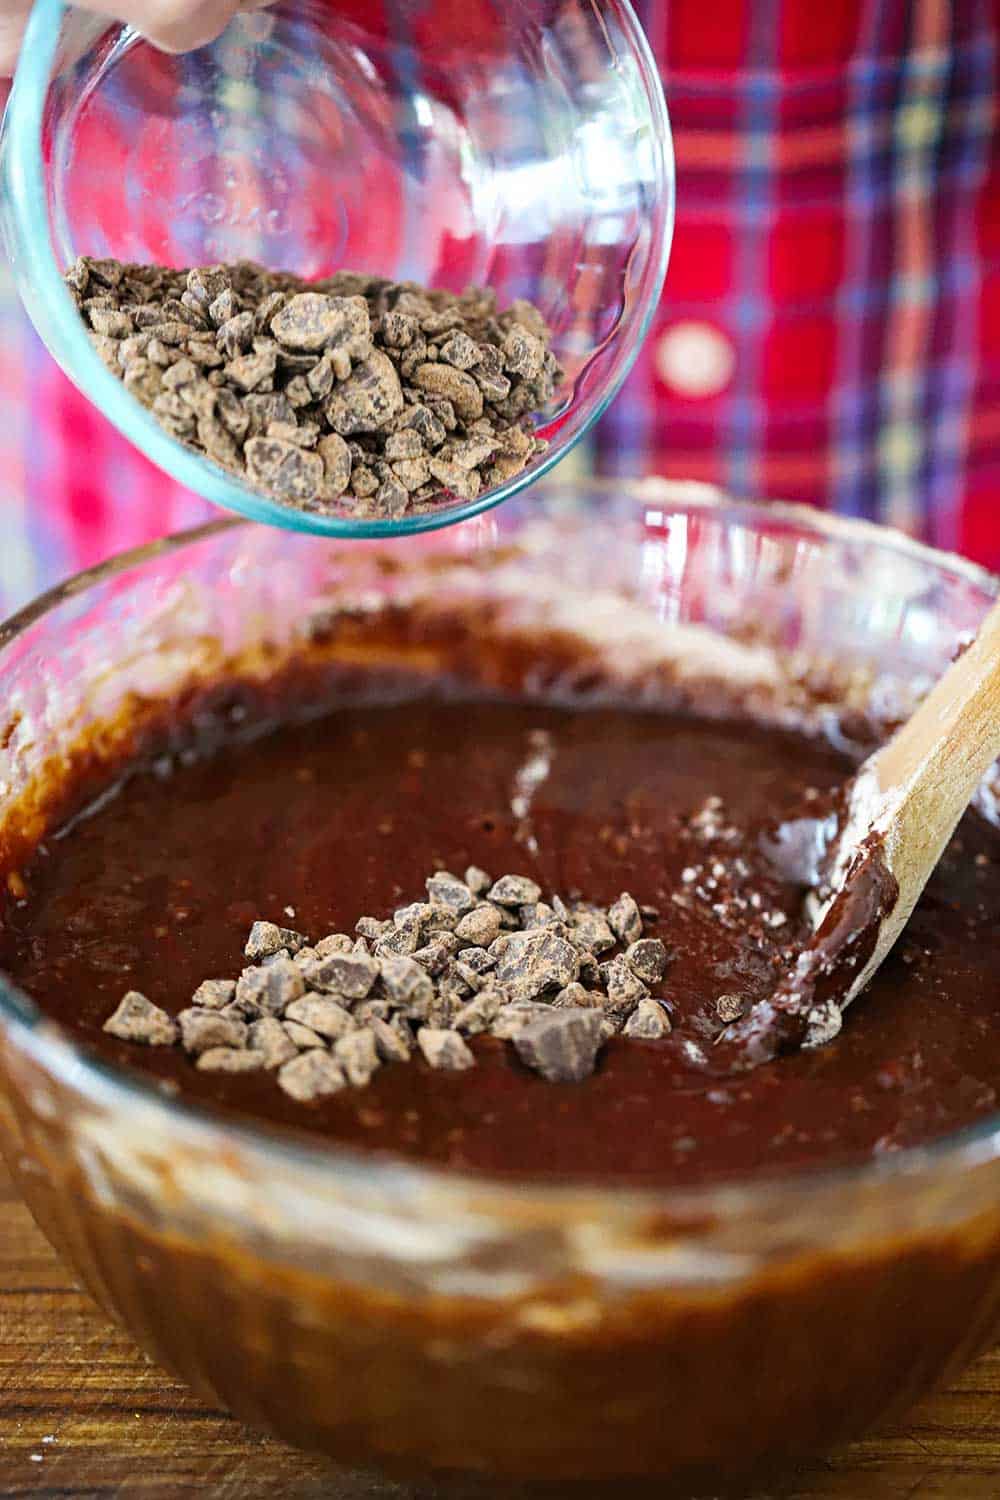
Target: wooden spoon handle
949, 743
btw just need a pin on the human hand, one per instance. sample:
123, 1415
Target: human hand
173, 25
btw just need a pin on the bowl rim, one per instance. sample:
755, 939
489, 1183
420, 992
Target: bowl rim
27, 206
99, 1080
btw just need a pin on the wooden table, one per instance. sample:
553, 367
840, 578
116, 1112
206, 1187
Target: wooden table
84, 1415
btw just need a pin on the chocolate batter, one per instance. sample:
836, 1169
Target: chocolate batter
153, 880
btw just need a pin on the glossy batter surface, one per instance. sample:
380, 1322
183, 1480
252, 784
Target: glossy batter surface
155, 887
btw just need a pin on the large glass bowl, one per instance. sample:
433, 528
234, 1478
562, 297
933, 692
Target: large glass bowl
520, 146
425, 1319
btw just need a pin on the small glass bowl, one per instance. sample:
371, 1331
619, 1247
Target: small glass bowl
422, 1319
523, 147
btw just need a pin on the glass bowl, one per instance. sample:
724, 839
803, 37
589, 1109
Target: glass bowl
524, 147
421, 1319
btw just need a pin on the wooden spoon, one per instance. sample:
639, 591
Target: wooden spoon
902, 807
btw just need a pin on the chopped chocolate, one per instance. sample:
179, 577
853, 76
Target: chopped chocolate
480, 1013
202, 1030
647, 958
267, 938
514, 1017
625, 919
137, 1019
358, 1057
444, 1049
302, 1036
532, 962
350, 975
573, 996
729, 1008
563, 1045
268, 989
479, 927
649, 1022
269, 1037
495, 958
325, 1017
591, 932
230, 1060
213, 994
624, 989
408, 985
450, 892
514, 890
390, 1044
336, 942
350, 354
311, 1075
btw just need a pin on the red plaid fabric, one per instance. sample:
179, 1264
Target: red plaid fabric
830, 328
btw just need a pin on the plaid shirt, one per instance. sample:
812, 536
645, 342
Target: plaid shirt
830, 328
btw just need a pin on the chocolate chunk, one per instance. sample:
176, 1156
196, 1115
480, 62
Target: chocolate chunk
398, 942
267, 990
269, 1037
454, 385
336, 457
479, 960
390, 1044
591, 932
563, 1045
729, 1008
460, 351
444, 1049
249, 372
213, 994
479, 927
202, 1029
513, 1018
407, 985
285, 470
514, 890
302, 1036
350, 975
468, 975
479, 1013
624, 989
325, 1017
649, 1022
267, 938
523, 354
647, 959
358, 1057
533, 962
539, 914
368, 399
311, 321
311, 1075
336, 942
235, 336
230, 1060
137, 1019
434, 957
573, 996
625, 919
448, 891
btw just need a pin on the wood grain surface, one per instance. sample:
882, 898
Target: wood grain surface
84, 1414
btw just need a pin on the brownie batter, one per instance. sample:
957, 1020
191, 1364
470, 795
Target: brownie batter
154, 879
